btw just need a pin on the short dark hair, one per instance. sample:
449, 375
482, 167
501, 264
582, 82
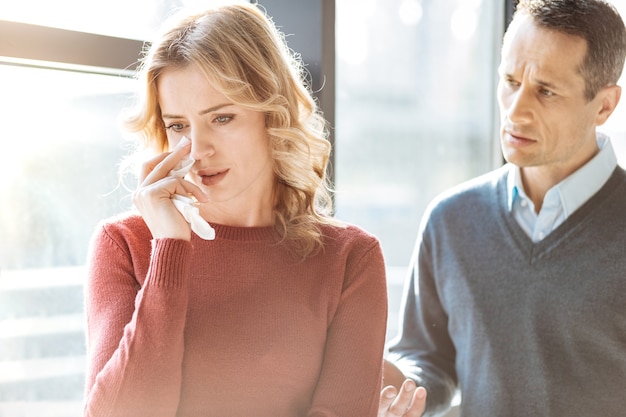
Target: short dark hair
598, 23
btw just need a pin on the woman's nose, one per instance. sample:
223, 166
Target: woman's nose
201, 145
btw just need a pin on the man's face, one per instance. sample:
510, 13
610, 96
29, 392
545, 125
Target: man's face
547, 123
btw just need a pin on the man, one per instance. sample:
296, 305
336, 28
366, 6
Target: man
517, 296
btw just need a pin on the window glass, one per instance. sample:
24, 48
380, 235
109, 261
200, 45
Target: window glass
415, 112
415, 109
60, 146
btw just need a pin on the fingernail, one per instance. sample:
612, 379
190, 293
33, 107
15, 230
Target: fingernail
421, 393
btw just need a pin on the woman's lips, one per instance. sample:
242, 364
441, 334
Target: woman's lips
209, 178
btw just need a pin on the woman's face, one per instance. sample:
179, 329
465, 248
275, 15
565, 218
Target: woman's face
229, 143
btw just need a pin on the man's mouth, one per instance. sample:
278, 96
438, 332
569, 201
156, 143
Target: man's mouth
517, 139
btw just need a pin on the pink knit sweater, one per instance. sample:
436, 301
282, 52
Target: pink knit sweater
233, 327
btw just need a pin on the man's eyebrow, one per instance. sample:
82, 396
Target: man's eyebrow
202, 112
547, 84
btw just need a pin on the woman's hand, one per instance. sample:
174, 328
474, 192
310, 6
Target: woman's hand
153, 197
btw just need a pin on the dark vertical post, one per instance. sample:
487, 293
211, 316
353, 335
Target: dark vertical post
309, 26
509, 8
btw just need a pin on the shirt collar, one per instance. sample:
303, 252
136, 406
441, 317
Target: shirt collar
579, 186
514, 185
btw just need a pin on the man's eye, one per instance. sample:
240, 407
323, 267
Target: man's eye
512, 83
176, 127
546, 93
508, 83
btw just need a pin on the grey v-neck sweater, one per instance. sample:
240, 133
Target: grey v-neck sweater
525, 329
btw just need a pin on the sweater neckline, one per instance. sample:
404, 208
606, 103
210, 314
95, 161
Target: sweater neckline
238, 233
573, 222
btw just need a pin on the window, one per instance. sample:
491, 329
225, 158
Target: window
415, 112
57, 175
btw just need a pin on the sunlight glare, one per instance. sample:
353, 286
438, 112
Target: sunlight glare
410, 12
463, 23
353, 37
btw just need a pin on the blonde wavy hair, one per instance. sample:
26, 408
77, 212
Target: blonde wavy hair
245, 56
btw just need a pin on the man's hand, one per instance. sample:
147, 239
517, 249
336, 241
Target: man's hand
410, 402
401, 397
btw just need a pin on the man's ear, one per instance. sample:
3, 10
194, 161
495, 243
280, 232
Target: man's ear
609, 97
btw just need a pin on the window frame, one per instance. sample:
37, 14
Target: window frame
47, 47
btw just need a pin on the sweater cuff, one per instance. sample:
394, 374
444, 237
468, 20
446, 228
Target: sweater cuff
169, 262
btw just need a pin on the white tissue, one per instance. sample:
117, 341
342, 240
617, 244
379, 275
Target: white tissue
186, 206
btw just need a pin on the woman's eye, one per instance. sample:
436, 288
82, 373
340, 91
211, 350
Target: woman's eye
175, 127
223, 119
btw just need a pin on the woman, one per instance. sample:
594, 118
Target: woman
283, 310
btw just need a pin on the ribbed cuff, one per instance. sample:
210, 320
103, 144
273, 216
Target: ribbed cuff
169, 263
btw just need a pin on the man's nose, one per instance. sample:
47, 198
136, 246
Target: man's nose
520, 107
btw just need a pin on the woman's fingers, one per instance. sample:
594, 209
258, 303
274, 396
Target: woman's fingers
160, 166
148, 166
153, 197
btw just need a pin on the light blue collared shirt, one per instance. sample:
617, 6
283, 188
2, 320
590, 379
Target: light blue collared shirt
565, 197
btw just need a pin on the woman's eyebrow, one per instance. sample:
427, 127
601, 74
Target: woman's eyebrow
202, 112
214, 108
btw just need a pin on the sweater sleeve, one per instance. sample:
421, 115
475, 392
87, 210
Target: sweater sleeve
423, 350
134, 333
351, 377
